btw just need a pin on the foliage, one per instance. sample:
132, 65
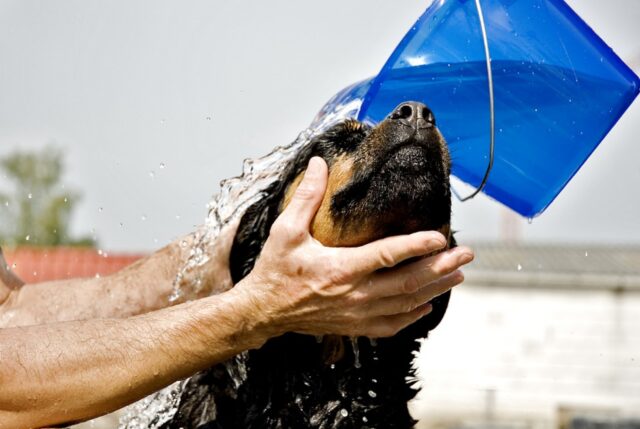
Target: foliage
37, 210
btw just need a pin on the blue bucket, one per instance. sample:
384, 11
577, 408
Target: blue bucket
556, 90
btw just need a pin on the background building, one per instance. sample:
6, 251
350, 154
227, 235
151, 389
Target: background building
536, 336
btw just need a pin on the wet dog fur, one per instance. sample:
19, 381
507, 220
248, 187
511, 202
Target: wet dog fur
384, 180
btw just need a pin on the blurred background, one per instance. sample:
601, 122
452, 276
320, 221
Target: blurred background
118, 120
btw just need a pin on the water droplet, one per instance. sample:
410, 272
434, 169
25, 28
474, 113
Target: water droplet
356, 352
333, 366
143, 217
365, 419
100, 209
535, 109
374, 380
6, 203
177, 217
344, 413
529, 220
28, 237
586, 253
162, 165
183, 244
14, 265
35, 273
208, 118
29, 195
519, 267
162, 121
121, 224
372, 393
152, 174
65, 199
100, 252
97, 275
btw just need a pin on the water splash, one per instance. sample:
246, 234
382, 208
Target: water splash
154, 410
239, 193
235, 196
356, 352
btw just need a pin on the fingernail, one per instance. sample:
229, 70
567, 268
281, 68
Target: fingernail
466, 257
438, 243
314, 166
458, 277
426, 309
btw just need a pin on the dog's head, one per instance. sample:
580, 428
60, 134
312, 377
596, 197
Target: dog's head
384, 180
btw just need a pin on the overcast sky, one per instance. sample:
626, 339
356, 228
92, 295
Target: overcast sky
125, 86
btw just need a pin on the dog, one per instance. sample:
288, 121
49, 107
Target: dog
384, 180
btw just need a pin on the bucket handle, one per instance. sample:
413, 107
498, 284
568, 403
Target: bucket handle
491, 105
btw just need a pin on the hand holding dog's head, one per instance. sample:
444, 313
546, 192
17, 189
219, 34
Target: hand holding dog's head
382, 181
306, 287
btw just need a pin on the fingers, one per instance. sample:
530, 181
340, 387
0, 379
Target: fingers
387, 326
307, 197
415, 276
390, 251
408, 302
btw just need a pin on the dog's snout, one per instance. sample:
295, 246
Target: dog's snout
413, 114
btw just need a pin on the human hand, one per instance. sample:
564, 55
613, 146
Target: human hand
300, 285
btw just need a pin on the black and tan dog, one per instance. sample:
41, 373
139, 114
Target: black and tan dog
384, 180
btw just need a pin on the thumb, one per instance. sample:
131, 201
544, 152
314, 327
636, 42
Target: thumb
308, 196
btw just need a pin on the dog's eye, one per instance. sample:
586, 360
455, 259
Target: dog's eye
343, 137
350, 135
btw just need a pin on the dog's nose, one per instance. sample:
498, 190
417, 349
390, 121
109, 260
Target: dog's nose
414, 114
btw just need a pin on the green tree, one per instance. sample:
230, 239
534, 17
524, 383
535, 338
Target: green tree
37, 208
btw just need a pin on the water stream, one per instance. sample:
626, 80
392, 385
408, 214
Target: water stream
234, 197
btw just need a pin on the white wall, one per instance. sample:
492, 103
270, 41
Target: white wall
536, 350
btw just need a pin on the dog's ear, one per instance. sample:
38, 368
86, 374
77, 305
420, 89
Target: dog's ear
252, 232
433, 319
440, 304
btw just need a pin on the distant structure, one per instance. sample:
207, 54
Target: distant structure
538, 337
39, 264
510, 226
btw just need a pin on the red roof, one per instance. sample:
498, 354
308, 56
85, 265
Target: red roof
39, 264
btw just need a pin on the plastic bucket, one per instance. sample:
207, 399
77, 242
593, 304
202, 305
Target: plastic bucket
557, 91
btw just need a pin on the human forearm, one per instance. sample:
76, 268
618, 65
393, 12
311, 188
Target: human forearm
72, 371
144, 286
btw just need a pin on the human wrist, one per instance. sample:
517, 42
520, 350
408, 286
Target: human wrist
241, 312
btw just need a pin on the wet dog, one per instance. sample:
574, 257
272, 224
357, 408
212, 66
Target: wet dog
384, 180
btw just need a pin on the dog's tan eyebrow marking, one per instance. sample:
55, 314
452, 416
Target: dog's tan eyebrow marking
324, 227
352, 125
